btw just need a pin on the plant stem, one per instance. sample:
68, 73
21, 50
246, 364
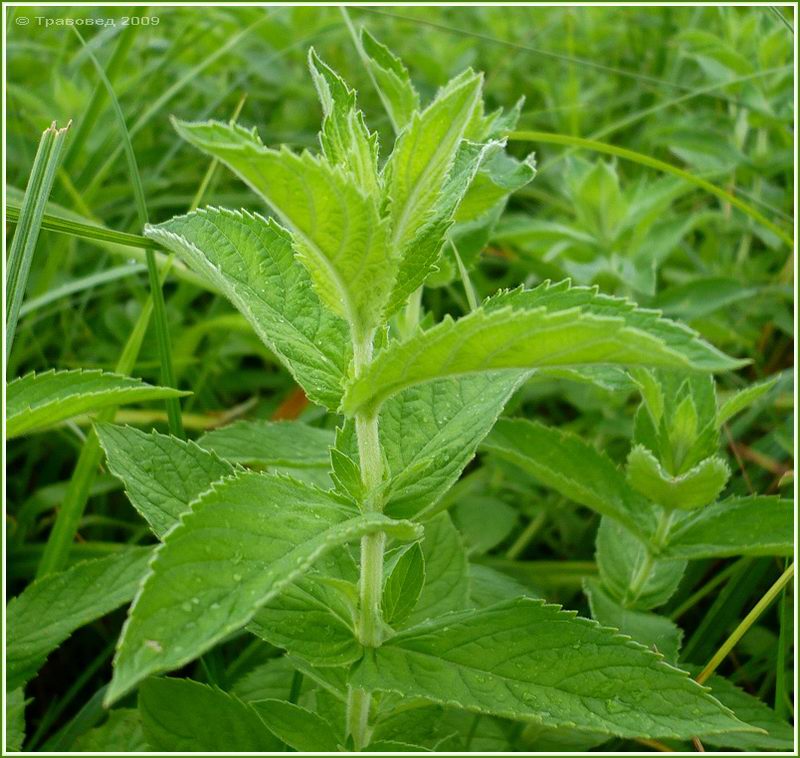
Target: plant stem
745, 625
643, 572
369, 626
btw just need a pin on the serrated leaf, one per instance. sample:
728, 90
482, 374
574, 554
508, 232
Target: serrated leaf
573, 468
429, 433
403, 585
181, 715
299, 728
549, 327
337, 231
779, 734
242, 542
416, 178
51, 608
251, 261
629, 573
15, 719
345, 139
392, 81
755, 525
743, 399
527, 660
653, 631
488, 586
693, 489
161, 474
289, 444
121, 733
38, 401
447, 582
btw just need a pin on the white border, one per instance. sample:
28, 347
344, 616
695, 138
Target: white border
44, 3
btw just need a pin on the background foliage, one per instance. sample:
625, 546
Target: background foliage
707, 89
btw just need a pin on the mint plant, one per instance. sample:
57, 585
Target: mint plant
340, 554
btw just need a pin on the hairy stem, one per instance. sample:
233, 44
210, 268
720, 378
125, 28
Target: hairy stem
369, 625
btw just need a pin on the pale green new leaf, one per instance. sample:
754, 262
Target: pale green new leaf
53, 607
345, 139
161, 474
547, 327
38, 401
180, 715
336, 229
392, 81
251, 261
242, 542
573, 468
524, 659
755, 525
301, 729
121, 733
656, 632
744, 399
288, 444
403, 586
693, 489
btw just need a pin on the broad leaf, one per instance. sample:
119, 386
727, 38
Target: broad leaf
447, 582
243, 541
336, 230
392, 81
527, 660
549, 327
15, 719
121, 733
693, 489
484, 521
38, 401
301, 729
251, 261
572, 467
403, 585
755, 525
288, 444
181, 715
161, 474
53, 607
656, 632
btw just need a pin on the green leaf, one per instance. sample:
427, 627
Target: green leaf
755, 525
242, 542
737, 402
484, 521
288, 444
693, 489
181, 715
15, 719
121, 733
299, 728
269, 680
38, 401
551, 326
527, 660
161, 474
447, 582
345, 139
336, 230
424, 181
429, 433
392, 81
489, 586
573, 468
403, 585
656, 632
779, 734
250, 260
53, 607
629, 573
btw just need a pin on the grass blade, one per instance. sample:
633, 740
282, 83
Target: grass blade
30, 223
159, 310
